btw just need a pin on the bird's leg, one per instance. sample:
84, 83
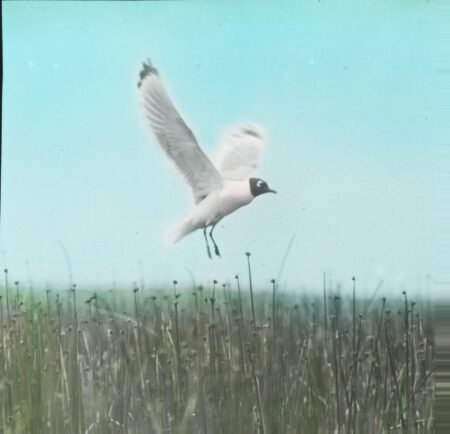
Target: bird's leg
208, 250
216, 249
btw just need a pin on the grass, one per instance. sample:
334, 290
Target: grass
193, 360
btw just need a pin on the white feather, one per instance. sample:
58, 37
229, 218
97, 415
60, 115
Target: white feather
240, 152
179, 231
174, 136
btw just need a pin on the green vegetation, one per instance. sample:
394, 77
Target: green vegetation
191, 360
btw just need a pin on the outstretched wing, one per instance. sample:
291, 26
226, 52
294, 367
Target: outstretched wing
240, 151
173, 135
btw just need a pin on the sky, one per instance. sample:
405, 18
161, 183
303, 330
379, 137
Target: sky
345, 92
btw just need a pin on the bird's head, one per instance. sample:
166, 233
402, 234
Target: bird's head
259, 186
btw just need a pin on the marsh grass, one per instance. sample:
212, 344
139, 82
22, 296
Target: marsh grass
204, 360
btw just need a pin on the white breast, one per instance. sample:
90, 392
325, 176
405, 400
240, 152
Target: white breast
220, 203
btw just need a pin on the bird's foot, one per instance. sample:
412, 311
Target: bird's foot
216, 251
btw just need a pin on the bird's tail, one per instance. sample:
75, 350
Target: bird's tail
179, 231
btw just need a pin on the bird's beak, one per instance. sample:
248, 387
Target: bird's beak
271, 191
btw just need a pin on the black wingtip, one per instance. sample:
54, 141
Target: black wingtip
252, 132
147, 69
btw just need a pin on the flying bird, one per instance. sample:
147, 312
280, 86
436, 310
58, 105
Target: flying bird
218, 189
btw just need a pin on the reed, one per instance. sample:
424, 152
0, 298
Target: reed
258, 362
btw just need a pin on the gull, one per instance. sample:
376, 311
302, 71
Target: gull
218, 189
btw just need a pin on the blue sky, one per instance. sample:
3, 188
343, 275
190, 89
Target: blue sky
344, 91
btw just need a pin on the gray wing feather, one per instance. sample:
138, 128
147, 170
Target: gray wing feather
174, 136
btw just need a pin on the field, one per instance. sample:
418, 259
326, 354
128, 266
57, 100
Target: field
216, 359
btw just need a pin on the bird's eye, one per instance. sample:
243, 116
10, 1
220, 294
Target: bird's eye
259, 183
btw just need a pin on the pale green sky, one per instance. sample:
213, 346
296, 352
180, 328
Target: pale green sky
344, 91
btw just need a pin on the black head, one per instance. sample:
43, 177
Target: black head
258, 186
